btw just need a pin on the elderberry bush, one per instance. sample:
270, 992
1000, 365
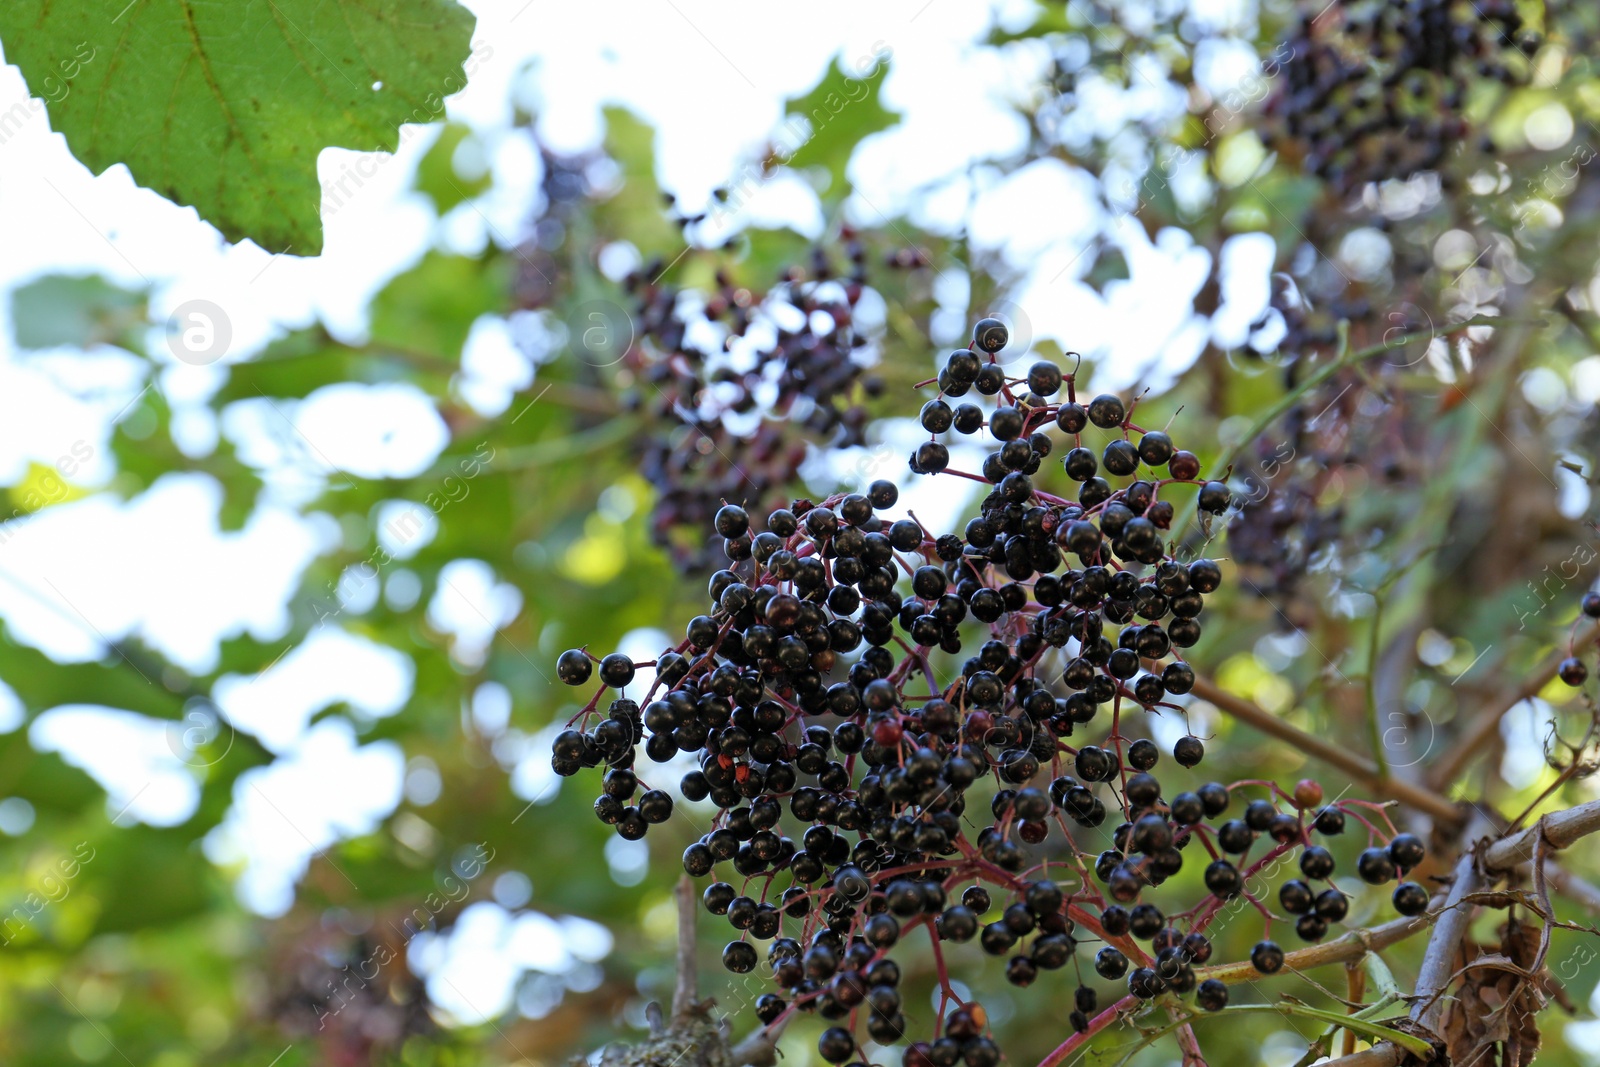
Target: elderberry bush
907, 731
1376, 91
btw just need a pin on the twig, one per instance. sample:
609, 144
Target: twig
1359, 767
1568, 884
1487, 724
1438, 964
686, 994
1559, 829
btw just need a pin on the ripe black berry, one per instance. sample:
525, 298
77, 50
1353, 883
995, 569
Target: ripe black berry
1106, 411
1406, 851
1316, 862
616, 670
574, 667
1267, 957
1295, 896
1144, 983
739, 957
1410, 899
835, 1045
1375, 867
1110, 963
989, 335
1212, 995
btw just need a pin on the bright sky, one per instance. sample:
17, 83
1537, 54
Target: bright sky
711, 76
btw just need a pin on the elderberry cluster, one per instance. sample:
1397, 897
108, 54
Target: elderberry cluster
739, 405
1374, 91
852, 752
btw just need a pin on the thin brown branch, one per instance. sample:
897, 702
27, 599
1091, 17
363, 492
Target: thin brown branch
1359, 767
1455, 916
1559, 829
1569, 885
1346, 949
1483, 728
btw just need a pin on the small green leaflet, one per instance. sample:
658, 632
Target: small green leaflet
224, 105
823, 127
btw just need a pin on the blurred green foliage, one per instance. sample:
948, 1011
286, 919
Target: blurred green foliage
149, 958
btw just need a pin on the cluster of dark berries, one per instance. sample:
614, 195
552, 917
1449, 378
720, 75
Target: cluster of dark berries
739, 406
1573, 670
1373, 91
852, 751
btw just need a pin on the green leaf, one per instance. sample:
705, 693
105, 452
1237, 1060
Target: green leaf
823, 127
430, 309
635, 211
439, 176
76, 310
224, 107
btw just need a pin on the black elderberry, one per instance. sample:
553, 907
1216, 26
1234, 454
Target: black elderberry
1107, 411
1316, 862
1052, 951
1223, 880
1144, 983
936, 416
1406, 851
1155, 448
1072, 418
698, 860
1296, 897
1044, 378
1212, 995
1235, 836
574, 667
1267, 957
1375, 867
1311, 928
1189, 751
1178, 678
1215, 797
835, 1045
997, 939
1145, 921
769, 1006
989, 335
1021, 971
1120, 458
1095, 764
1332, 905
655, 806
616, 670
1258, 815
1410, 899
1187, 809
1110, 963
739, 957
